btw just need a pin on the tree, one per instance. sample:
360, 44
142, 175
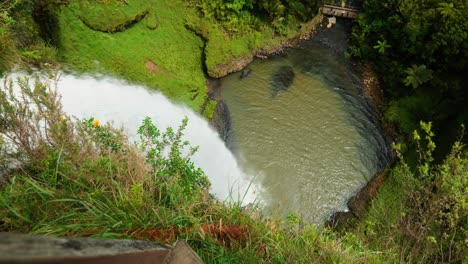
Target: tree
381, 46
417, 75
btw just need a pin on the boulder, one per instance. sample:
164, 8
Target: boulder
282, 80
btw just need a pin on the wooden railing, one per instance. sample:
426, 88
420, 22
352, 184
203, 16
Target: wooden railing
338, 11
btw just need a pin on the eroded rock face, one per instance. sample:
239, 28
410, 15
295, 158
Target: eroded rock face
282, 80
234, 65
222, 120
358, 204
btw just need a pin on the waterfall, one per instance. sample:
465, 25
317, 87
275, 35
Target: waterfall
126, 105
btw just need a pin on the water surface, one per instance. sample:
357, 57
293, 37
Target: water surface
312, 144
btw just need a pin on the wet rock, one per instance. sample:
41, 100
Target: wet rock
341, 220
245, 73
222, 120
282, 80
358, 204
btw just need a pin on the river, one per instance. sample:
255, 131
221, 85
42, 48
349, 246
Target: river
301, 124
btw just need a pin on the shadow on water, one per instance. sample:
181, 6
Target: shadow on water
282, 80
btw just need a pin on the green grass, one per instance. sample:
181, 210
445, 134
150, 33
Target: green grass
118, 14
170, 34
174, 49
381, 227
223, 49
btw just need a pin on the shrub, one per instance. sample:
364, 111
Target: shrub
421, 214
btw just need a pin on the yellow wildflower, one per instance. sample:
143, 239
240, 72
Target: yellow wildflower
96, 123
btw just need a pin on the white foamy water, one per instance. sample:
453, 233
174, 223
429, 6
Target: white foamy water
112, 100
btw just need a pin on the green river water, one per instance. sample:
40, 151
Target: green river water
310, 146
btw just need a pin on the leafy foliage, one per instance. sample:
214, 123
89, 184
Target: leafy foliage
7, 51
238, 15
422, 44
381, 46
417, 75
421, 215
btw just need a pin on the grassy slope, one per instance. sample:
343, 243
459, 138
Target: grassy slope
171, 46
224, 50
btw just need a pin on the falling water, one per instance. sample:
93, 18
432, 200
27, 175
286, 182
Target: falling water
112, 100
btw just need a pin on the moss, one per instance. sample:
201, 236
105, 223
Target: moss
176, 51
209, 109
226, 53
112, 16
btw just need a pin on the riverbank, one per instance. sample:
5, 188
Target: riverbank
166, 46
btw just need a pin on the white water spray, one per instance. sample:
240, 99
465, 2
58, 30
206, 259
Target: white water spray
113, 100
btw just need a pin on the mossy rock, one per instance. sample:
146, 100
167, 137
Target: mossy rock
151, 21
112, 15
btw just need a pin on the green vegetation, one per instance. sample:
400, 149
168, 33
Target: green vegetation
168, 45
247, 15
421, 214
83, 178
118, 14
420, 51
237, 30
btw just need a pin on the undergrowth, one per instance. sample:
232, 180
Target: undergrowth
421, 214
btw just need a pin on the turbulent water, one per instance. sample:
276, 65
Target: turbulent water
112, 100
300, 123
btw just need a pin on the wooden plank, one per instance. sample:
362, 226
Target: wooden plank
341, 8
30, 249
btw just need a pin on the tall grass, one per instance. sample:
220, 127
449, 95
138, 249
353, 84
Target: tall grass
421, 213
